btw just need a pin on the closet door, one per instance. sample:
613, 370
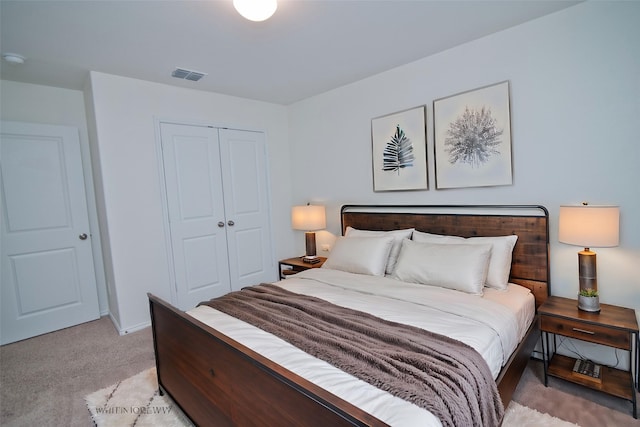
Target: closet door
246, 203
197, 222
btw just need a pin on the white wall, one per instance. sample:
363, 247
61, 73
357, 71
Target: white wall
575, 106
126, 113
43, 104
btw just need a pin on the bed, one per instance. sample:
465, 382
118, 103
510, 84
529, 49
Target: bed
220, 373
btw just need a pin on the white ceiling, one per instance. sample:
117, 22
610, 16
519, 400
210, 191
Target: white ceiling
306, 48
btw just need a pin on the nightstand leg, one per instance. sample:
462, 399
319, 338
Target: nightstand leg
632, 353
545, 356
637, 362
633, 388
635, 404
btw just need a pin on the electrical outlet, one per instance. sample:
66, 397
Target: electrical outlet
325, 248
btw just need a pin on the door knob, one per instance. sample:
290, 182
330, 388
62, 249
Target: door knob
231, 223
220, 224
83, 236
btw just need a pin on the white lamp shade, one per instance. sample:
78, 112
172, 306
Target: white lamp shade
589, 226
308, 218
256, 10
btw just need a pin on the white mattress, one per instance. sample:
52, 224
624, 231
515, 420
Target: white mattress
492, 324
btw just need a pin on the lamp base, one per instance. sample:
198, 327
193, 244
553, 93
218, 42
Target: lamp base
310, 242
591, 304
587, 274
588, 281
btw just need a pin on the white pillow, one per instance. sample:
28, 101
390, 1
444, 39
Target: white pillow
398, 237
363, 255
501, 252
454, 266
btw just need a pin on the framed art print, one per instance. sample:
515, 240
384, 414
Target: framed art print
472, 138
399, 151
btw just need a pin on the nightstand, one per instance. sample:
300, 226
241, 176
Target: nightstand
613, 327
289, 266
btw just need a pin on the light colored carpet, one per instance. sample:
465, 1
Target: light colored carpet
43, 380
135, 401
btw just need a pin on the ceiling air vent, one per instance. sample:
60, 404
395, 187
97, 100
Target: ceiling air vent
183, 73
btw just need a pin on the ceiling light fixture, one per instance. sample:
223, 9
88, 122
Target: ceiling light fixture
256, 10
13, 58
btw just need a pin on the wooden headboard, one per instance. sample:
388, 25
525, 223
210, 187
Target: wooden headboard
530, 261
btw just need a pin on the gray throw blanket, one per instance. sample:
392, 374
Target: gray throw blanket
444, 376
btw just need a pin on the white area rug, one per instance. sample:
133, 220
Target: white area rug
517, 415
135, 402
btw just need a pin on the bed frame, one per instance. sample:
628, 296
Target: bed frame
218, 381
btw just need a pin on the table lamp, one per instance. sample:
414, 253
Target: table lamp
589, 226
309, 218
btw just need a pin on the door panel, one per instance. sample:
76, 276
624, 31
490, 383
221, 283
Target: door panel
35, 166
244, 175
48, 276
62, 285
199, 270
195, 203
249, 247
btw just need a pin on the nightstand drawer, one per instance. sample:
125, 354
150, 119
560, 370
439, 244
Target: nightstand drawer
586, 332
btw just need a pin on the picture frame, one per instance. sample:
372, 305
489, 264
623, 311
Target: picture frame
399, 150
472, 138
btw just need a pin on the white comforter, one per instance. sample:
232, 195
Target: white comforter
492, 325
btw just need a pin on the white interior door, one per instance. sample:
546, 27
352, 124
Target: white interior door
246, 203
196, 212
48, 277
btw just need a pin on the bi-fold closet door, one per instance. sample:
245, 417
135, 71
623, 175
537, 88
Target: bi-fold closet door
218, 207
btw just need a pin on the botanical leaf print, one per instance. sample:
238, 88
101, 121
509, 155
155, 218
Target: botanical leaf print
398, 152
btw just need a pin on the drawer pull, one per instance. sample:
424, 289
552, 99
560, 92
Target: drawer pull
584, 331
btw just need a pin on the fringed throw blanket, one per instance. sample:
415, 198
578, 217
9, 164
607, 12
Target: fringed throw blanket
444, 376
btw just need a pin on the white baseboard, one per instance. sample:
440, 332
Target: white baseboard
125, 331
134, 328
